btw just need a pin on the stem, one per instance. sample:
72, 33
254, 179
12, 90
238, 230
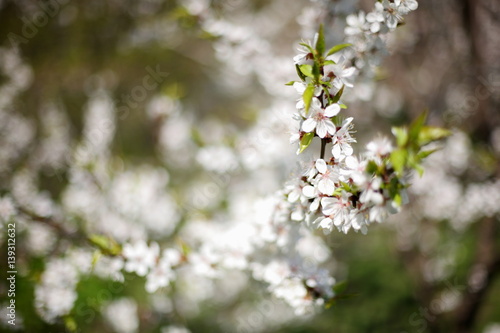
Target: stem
323, 146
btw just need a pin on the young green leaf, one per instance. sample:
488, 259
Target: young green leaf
315, 71
337, 48
337, 96
428, 134
307, 70
305, 141
307, 46
398, 159
425, 153
401, 134
299, 73
290, 83
339, 287
307, 97
320, 43
416, 126
106, 244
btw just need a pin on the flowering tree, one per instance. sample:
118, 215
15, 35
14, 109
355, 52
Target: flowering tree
192, 226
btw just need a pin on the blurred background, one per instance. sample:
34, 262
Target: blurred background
159, 119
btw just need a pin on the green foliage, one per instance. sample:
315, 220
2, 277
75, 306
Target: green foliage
337, 48
337, 96
307, 97
299, 73
106, 244
306, 141
410, 144
320, 43
306, 70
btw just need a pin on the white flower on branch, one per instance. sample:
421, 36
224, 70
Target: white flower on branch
320, 119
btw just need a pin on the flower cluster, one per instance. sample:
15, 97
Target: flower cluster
364, 30
343, 191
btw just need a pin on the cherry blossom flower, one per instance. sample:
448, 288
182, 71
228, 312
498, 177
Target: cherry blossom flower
342, 141
378, 148
304, 55
337, 209
356, 24
326, 178
391, 14
139, 257
375, 19
320, 119
341, 71
406, 6
311, 192
371, 194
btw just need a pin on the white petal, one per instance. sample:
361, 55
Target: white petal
300, 104
326, 223
347, 121
309, 191
329, 205
326, 186
348, 72
309, 125
336, 151
330, 127
338, 220
294, 196
321, 165
321, 129
347, 149
352, 19
351, 162
300, 87
332, 110
315, 104
314, 205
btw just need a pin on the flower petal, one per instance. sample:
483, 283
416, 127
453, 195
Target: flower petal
309, 125
321, 165
332, 110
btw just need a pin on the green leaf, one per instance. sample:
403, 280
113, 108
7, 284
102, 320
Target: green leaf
401, 134
371, 167
95, 257
290, 83
398, 199
425, 153
419, 169
70, 324
299, 73
106, 244
398, 159
315, 71
185, 249
416, 126
343, 106
307, 70
306, 141
307, 97
337, 96
429, 134
337, 48
307, 46
340, 287
346, 187
320, 43
337, 192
